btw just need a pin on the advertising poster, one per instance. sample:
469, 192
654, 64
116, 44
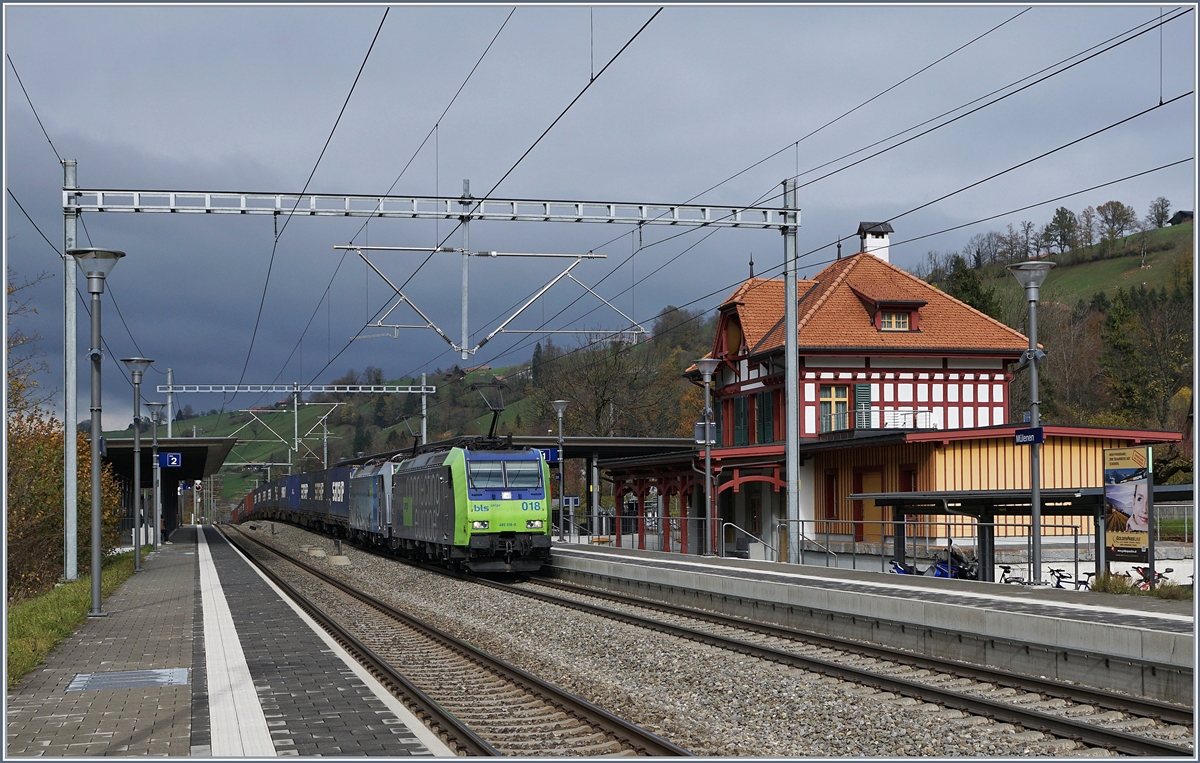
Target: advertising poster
1128, 491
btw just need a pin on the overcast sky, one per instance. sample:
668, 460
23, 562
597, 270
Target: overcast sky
244, 98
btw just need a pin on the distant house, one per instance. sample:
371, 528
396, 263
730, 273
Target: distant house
1180, 217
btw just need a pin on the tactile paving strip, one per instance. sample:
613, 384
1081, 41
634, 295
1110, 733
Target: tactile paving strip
129, 679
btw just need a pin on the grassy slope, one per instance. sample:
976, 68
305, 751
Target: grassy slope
1074, 282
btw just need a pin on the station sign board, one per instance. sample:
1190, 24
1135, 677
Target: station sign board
170, 460
1030, 436
550, 454
1128, 503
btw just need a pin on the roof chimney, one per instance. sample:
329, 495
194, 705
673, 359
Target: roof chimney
874, 237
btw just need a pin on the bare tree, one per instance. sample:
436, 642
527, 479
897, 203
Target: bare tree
1087, 226
615, 389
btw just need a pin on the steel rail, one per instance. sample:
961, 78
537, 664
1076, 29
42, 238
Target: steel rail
452, 731
634, 736
1127, 703
1089, 734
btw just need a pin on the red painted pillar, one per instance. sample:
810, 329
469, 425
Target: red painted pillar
641, 522
620, 503
684, 519
664, 521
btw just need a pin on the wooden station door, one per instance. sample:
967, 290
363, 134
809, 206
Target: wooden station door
871, 528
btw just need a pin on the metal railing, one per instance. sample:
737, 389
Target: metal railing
1177, 519
879, 417
748, 536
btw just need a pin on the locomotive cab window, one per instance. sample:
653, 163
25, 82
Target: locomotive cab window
524, 474
487, 474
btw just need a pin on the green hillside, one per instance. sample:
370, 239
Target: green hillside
1167, 251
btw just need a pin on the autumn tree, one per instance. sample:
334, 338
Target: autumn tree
1160, 212
35, 470
1116, 219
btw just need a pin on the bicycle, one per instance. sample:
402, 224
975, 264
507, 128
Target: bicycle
1006, 576
1060, 577
1146, 583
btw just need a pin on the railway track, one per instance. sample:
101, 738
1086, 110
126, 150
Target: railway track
480, 705
1120, 723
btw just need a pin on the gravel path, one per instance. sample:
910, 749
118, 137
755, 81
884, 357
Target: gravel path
710, 701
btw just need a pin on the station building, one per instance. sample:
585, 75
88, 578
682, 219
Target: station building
902, 389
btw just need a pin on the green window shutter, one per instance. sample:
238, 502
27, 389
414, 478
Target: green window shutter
766, 428
741, 420
862, 406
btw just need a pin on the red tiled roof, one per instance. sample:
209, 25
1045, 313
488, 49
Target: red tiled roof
833, 314
759, 305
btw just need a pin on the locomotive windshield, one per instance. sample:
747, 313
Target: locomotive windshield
487, 474
524, 474
505, 474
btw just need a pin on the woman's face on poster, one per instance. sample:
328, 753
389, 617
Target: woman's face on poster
1140, 508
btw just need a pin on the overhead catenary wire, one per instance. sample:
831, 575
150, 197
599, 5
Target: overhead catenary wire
959, 191
941, 198
777, 268
479, 201
796, 143
279, 232
970, 185
767, 195
506, 174
433, 131
33, 108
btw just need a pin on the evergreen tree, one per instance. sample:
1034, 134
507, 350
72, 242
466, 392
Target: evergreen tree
963, 283
535, 365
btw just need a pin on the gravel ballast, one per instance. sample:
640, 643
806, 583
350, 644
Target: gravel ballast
708, 700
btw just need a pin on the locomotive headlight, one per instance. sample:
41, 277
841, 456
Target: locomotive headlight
479, 524
533, 524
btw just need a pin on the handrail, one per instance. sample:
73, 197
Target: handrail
828, 552
746, 533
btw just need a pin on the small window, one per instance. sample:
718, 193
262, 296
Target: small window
894, 322
834, 401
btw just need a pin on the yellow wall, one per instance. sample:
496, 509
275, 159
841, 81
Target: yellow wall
995, 464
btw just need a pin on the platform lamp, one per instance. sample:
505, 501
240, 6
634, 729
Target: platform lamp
1031, 275
560, 407
706, 367
137, 367
155, 415
96, 264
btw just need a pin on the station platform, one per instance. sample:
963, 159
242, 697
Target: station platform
200, 655
1132, 643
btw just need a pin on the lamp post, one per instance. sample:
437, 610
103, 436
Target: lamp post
137, 367
96, 264
560, 407
1031, 275
156, 523
707, 366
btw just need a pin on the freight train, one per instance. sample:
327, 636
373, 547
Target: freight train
483, 505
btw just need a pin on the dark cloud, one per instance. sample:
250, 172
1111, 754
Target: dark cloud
243, 98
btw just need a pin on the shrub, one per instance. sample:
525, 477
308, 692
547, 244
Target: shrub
35, 500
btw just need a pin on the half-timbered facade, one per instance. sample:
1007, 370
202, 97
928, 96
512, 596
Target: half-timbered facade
902, 388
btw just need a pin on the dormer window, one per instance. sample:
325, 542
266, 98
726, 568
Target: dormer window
893, 321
